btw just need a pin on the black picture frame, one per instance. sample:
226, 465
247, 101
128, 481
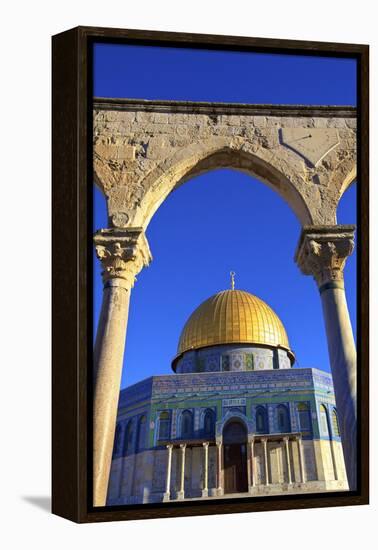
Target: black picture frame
72, 274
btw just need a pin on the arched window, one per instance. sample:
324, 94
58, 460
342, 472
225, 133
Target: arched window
117, 439
324, 420
209, 423
335, 424
304, 417
141, 433
186, 425
164, 425
128, 439
261, 421
283, 421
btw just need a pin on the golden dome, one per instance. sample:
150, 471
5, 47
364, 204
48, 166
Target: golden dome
233, 317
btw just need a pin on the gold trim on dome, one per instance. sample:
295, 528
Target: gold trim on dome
230, 317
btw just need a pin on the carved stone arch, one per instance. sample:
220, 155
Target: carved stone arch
339, 176
350, 178
144, 150
215, 153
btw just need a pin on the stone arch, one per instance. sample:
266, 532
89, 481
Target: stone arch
238, 422
235, 456
345, 187
232, 416
199, 158
143, 152
348, 181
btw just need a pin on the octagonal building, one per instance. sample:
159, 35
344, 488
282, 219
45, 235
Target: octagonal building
235, 419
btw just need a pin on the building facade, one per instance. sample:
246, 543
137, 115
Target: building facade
236, 418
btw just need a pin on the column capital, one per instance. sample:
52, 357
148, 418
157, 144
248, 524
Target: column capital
322, 252
205, 444
123, 253
183, 446
264, 440
286, 438
169, 446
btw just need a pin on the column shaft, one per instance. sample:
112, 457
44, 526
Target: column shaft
253, 476
286, 441
205, 490
219, 469
334, 463
167, 494
264, 442
181, 493
108, 359
343, 361
301, 461
322, 252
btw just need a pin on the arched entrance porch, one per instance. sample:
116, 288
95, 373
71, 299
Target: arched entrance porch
235, 461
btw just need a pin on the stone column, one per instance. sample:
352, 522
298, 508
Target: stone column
252, 454
264, 441
333, 456
322, 252
123, 253
219, 469
301, 460
181, 492
205, 490
167, 494
287, 454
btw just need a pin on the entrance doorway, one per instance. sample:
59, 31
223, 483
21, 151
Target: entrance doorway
235, 458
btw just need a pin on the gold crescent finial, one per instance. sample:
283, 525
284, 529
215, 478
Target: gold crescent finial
232, 273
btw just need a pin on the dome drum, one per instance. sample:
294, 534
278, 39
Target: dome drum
233, 358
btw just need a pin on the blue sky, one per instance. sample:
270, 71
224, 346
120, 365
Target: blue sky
223, 220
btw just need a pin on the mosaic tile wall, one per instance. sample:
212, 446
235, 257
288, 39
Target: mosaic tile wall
222, 393
230, 358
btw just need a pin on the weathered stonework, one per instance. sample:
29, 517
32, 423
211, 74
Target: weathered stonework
123, 253
323, 251
143, 150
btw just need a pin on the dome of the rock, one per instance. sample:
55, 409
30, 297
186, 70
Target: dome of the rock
233, 317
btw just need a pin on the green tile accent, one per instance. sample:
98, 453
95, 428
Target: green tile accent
249, 365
